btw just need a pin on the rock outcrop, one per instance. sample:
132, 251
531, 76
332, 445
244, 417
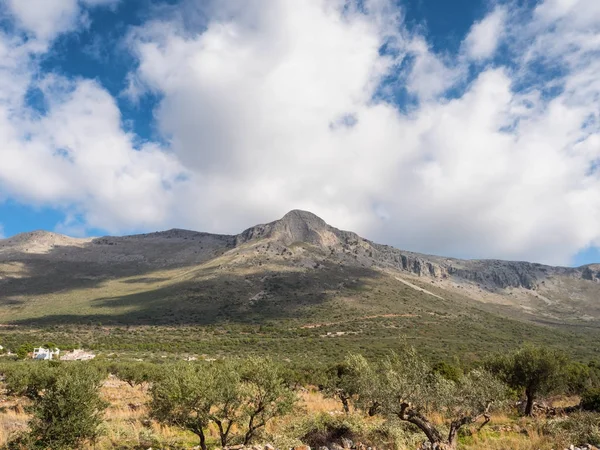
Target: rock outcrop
182, 247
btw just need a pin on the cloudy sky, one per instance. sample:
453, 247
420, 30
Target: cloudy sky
468, 128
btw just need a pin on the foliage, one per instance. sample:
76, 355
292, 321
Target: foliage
28, 378
23, 350
578, 429
535, 370
577, 378
323, 429
341, 383
228, 399
243, 395
448, 371
265, 394
406, 388
183, 397
71, 410
590, 400
134, 373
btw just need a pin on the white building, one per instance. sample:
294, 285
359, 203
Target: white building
45, 353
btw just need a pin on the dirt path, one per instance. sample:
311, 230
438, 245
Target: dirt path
378, 316
417, 288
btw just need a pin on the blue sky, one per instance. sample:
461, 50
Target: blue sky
465, 128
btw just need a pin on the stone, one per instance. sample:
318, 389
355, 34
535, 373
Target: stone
302, 447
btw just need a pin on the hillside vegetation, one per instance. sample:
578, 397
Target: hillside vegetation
296, 287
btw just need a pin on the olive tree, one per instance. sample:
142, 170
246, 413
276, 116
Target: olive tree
341, 383
228, 395
28, 378
534, 370
233, 395
70, 410
134, 373
265, 394
183, 396
406, 388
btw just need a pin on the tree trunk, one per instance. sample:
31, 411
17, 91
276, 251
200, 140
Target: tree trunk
223, 433
433, 435
202, 440
529, 402
345, 403
454, 427
200, 433
373, 409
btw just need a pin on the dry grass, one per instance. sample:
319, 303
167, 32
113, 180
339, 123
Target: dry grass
13, 418
313, 401
127, 426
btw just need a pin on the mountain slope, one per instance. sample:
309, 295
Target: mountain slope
297, 273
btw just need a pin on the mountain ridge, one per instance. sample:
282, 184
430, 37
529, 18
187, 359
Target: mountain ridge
296, 273
298, 226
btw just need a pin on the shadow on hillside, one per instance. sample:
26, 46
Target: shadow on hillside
223, 297
66, 268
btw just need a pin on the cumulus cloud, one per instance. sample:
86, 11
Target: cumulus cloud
485, 35
2, 236
267, 109
45, 19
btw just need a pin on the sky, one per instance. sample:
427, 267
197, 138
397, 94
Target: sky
468, 128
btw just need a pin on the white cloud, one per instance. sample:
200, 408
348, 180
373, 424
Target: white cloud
77, 154
430, 76
484, 37
2, 236
45, 19
256, 107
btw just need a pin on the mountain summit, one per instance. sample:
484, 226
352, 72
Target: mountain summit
296, 226
325, 260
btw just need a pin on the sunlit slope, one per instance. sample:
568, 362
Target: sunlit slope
296, 275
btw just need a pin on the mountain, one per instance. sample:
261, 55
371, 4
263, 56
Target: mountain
298, 273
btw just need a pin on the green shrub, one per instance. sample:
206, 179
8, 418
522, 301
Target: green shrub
183, 397
577, 429
70, 411
590, 400
324, 429
240, 397
24, 350
28, 378
448, 371
135, 373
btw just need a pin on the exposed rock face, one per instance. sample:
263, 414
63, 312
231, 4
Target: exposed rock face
295, 226
488, 273
183, 247
302, 226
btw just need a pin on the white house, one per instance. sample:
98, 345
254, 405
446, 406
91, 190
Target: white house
45, 353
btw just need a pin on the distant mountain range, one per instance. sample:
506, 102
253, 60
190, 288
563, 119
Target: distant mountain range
297, 269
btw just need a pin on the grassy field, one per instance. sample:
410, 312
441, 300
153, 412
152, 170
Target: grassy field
298, 303
127, 425
317, 315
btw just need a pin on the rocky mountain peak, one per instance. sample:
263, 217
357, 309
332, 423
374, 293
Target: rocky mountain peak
295, 226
